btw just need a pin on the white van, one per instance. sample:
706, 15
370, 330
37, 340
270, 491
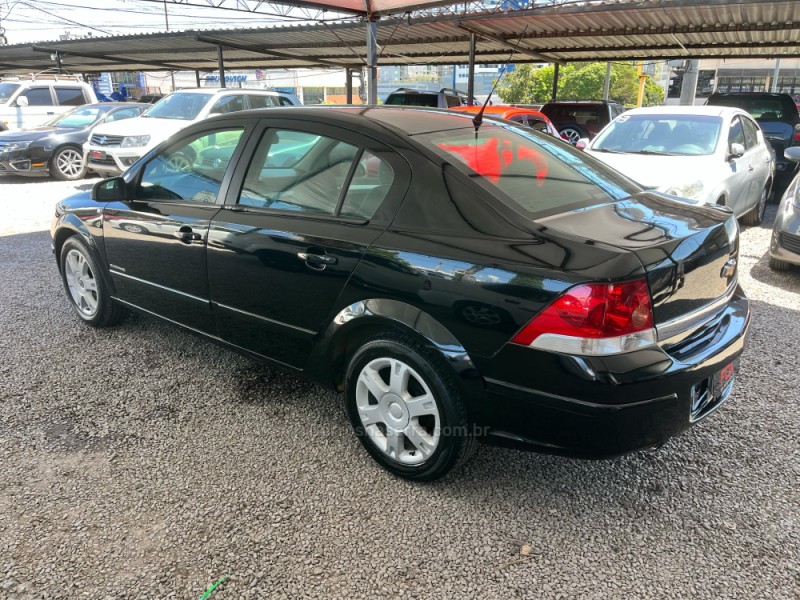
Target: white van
114, 147
26, 103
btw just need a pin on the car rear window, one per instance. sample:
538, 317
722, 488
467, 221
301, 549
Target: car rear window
413, 100
767, 108
533, 171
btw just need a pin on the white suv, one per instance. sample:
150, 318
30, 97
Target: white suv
114, 147
26, 103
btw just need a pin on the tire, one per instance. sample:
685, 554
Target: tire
86, 287
67, 164
573, 133
414, 438
754, 217
778, 265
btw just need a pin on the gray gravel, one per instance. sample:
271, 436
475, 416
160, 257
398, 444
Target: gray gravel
139, 462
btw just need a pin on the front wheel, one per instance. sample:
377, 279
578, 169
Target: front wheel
86, 286
406, 410
67, 164
573, 133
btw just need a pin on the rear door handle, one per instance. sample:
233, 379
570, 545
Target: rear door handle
317, 259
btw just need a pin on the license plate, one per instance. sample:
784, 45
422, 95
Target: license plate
97, 154
723, 379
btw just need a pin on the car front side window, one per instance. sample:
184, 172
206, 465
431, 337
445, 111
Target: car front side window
736, 133
750, 133
39, 96
298, 171
192, 170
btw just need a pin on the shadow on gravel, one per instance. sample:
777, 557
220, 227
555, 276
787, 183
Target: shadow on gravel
786, 280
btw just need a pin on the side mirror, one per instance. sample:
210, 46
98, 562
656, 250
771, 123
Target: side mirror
22, 101
582, 143
109, 190
737, 150
792, 153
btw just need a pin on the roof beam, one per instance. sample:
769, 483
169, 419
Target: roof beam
517, 47
673, 46
261, 50
112, 59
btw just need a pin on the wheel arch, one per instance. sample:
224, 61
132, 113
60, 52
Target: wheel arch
364, 320
71, 226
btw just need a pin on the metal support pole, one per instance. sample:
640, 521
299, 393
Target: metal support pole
689, 83
197, 78
471, 72
221, 63
348, 84
775, 74
555, 83
372, 62
607, 83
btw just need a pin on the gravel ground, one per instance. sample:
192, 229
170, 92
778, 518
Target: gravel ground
140, 462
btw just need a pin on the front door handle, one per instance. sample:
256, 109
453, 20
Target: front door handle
186, 235
750, 168
317, 260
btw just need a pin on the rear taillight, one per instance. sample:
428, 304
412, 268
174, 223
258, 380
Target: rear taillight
594, 319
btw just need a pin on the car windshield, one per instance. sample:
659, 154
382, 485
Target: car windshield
412, 100
767, 108
532, 170
79, 117
179, 106
673, 135
7, 90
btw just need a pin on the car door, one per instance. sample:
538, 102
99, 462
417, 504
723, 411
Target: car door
40, 106
298, 220
761, 159
156, 241
741, 168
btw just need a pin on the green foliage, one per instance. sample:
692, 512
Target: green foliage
578, 81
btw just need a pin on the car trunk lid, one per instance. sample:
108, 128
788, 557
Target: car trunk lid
688, 250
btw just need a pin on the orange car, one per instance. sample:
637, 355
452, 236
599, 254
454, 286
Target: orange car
527, 116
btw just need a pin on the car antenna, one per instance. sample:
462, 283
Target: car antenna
478, 118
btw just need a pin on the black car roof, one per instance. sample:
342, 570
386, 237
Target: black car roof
405, 121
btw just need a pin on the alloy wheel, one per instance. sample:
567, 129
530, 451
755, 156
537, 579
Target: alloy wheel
81, 283
69, 163
573, 135
398, 411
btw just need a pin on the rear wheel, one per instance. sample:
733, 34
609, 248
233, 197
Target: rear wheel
86, 286
754, 216
67, 164
406, 410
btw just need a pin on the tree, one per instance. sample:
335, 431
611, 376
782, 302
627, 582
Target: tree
527, 85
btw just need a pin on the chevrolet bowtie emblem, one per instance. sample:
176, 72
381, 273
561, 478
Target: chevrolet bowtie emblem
728, 269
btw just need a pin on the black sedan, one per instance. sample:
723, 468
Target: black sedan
57, 147
456, 281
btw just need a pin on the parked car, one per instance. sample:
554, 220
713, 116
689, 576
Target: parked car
444, 98
779, 119
577, 119
784, 248
113, 148
28, 103
57, 147
712, 154
524, 116
455, 282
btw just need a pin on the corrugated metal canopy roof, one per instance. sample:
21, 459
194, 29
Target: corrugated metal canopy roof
596, 30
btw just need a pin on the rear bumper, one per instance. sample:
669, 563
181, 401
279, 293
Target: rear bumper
604, 408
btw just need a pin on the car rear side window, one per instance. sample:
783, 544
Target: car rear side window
258, 101
38, 96
535, 173
192, 170
368, 188
70, 96
298, 171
